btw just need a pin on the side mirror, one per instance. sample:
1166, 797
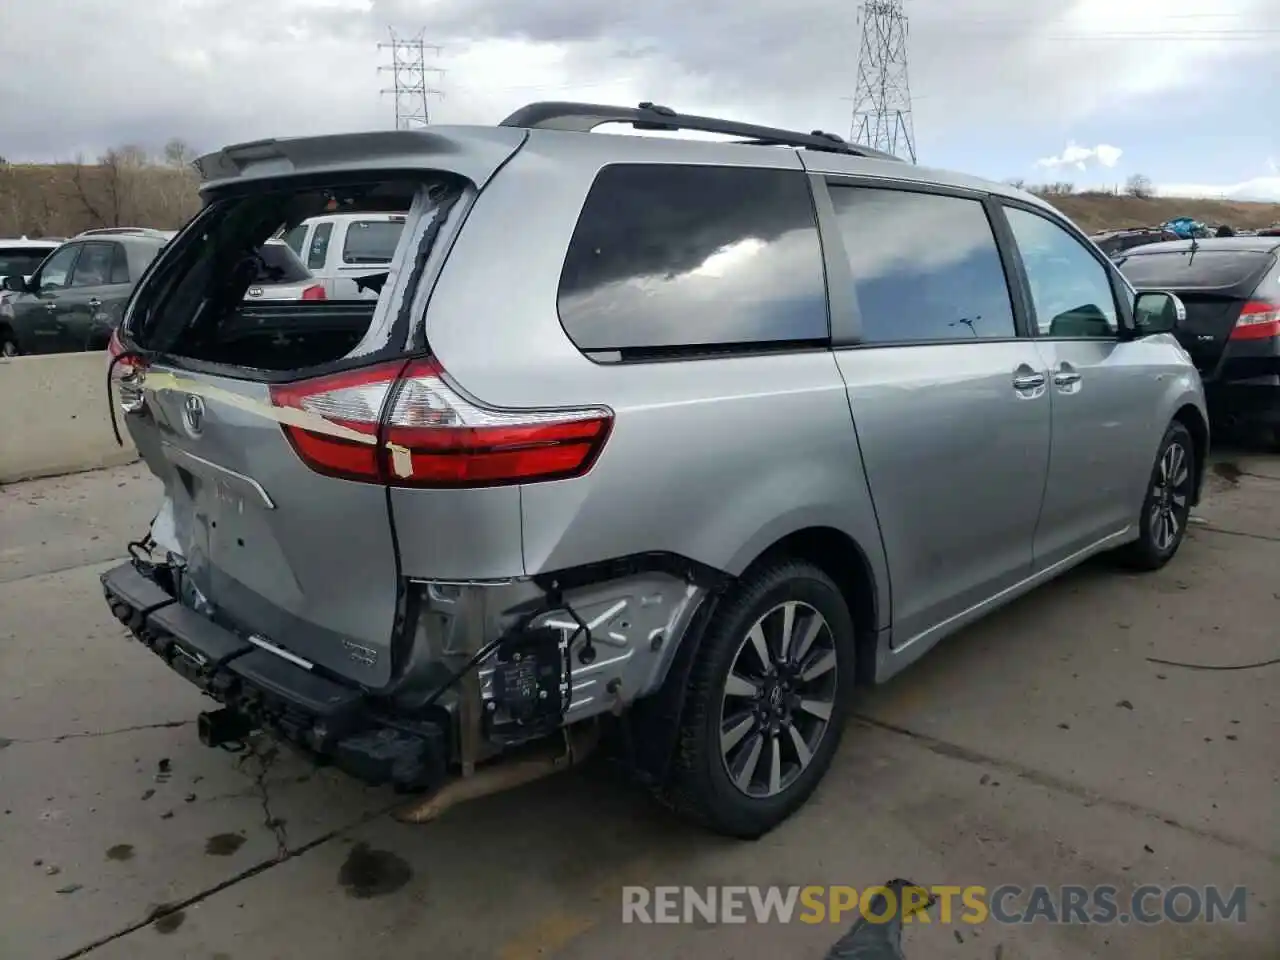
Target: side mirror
15, 284
1156, 311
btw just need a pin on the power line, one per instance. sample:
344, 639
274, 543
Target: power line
408, 69
882, 98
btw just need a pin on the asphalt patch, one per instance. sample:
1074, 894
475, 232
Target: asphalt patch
367, 873
223, 844
170, 921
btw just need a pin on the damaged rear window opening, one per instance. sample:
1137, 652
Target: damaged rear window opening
196, 305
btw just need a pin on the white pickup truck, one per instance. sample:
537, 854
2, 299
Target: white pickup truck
339, 247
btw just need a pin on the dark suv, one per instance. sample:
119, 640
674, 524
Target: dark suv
76, 296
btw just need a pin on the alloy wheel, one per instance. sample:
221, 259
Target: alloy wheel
778, 699
1170, 493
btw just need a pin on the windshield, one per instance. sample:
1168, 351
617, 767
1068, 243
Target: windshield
1207, 268
21, 263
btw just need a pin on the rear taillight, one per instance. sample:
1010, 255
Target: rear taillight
313, 292
1259, 320
129, 365
405, 425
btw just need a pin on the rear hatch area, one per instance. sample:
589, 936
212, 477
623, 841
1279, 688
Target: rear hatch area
263, 417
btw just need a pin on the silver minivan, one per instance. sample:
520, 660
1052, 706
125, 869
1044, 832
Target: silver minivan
666, 445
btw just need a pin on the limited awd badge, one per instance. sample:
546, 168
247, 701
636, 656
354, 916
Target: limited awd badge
193, 415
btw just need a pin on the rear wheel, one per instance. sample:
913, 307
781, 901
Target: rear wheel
8, 343
1166, 507
766, 701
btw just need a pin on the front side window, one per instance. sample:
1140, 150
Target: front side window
93, 269
1071, 292
57, 268
925, 266
683, 256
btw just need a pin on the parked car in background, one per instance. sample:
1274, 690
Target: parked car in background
75, 297
1113, 242
127, 232
703, 435
339, 248
281, 276
1231, 289
19, 258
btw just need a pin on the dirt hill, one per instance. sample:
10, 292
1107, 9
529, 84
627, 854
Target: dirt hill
127, 188
1095, 212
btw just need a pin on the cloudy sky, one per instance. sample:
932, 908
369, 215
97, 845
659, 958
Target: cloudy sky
1086, 91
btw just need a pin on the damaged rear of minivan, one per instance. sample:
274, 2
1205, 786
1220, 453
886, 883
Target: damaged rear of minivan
308, 447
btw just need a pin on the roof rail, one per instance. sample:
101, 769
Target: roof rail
122, 231
585, 117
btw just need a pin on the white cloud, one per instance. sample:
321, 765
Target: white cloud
1103, 155
1262, 189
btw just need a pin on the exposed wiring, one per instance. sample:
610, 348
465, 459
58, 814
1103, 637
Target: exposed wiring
111, 369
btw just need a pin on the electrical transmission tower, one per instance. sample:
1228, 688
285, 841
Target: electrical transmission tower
408, 69
882, 99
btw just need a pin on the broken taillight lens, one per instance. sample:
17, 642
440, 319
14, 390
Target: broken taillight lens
314, 292
404, 424
1259, 320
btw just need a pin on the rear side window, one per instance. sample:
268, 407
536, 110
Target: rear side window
1204, 268
925, 267
668, 256
119, 265
279, 264
371, 241
318, 252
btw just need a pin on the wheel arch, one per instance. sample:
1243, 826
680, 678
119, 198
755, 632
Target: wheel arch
843, 559
1191, 417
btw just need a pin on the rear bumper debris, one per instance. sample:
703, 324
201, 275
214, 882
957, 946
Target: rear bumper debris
335, 722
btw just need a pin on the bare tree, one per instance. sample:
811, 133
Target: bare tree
1140, 186
178, 153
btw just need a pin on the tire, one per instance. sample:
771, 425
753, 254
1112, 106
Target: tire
701, 786
1164, 502
8, 343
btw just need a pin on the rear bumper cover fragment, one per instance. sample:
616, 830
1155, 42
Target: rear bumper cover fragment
335, 722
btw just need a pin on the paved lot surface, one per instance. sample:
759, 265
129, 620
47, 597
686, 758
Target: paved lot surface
1043, 746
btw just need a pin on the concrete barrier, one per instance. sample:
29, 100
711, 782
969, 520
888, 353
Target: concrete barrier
54, 417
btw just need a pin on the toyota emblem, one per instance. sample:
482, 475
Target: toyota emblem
193, 414
255, 291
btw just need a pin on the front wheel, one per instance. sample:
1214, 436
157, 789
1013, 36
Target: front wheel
1166, 508
766, 701
8, 343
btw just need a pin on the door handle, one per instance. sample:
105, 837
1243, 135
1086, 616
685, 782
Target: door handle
1028, 381
51, 307
94, 303
1065, 375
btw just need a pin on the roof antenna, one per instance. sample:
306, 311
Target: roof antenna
1195, 245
